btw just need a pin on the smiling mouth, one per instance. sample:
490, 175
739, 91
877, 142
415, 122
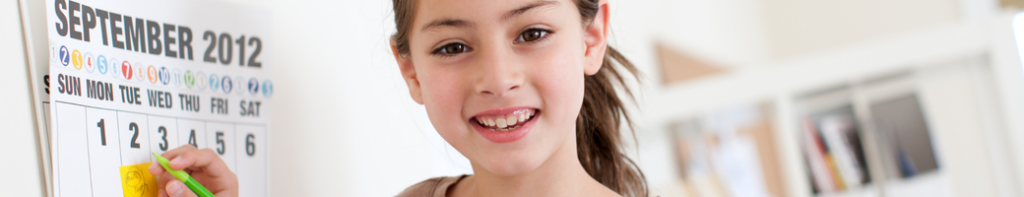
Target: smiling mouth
506, 122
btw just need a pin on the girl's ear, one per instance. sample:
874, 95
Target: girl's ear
595, 39
408, 73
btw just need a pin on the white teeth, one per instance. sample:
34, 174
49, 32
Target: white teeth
501, 123
506, 123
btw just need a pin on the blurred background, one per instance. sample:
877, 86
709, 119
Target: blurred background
738, 98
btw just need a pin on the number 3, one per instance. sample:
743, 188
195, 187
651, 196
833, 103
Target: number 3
163, 145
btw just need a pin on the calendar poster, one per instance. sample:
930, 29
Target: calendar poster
129, 78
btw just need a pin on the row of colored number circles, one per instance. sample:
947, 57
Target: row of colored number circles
129, 71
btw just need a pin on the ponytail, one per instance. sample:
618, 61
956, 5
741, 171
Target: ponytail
598, 140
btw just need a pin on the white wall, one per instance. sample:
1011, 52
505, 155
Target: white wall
18, 144
344, 125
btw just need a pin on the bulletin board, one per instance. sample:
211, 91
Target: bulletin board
126, 79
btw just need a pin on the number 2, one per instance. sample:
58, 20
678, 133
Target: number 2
163, 145
255, 53
220, 140
134, 127
212, 37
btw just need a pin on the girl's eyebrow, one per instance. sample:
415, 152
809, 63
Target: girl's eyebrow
449, 22
519, 11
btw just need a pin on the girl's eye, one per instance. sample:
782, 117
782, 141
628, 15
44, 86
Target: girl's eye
451, 49
531, 35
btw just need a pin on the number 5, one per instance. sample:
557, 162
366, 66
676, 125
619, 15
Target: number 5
220, 141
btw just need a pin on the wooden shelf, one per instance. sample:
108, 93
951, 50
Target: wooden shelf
965, 55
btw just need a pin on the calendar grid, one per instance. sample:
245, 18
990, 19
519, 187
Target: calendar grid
87, 154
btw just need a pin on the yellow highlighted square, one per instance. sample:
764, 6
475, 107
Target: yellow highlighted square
137, 182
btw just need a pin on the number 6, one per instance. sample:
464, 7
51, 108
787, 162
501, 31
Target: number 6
250, 147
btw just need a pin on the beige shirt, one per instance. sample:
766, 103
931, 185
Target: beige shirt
434, 187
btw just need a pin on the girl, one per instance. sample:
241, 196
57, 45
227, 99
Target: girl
523, 88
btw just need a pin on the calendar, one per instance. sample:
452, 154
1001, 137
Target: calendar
130, 78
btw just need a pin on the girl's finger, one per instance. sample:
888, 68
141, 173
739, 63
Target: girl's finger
162, 181
176, 188
204, 159
177, 151
156, 169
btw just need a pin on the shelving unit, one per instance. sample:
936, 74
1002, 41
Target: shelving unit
956, 73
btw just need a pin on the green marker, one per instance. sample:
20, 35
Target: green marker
185, 178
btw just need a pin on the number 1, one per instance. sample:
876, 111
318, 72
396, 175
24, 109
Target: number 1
241, 50
103, 132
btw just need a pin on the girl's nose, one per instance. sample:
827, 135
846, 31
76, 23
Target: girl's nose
498, 74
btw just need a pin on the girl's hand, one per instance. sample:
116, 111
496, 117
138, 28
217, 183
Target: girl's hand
203, 165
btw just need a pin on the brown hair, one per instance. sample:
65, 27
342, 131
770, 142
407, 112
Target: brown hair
598, 140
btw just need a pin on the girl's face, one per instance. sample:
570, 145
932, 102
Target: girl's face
502, 81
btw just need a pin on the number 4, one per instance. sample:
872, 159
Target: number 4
192, 138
